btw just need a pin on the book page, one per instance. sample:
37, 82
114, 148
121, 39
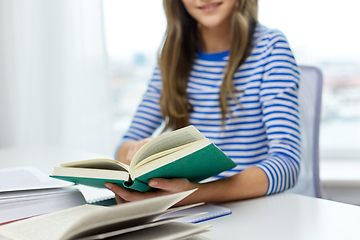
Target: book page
125, 227
152, 165
48, 226
90, 173
165, 142
63, 224
27, 178
35, 205
126, 211
133, 224
162, 154
13, 196
100, 163
94, 195
174, 230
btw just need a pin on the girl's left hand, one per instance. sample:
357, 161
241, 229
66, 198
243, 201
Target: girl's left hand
165, 186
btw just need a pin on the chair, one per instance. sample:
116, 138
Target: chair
310, 90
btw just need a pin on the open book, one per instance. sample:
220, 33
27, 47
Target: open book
133, 220
184, 153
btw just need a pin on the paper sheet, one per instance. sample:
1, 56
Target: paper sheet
26, 178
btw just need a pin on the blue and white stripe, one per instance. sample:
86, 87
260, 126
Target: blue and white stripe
262, 131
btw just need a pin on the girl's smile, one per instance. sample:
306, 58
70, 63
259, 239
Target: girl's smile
210, 14
210, 7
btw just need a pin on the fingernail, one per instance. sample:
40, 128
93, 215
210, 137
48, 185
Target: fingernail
153, 182
108, 186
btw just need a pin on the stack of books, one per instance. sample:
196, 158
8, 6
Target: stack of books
27, 192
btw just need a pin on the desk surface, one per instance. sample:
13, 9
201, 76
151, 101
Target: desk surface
287, 216
340, 173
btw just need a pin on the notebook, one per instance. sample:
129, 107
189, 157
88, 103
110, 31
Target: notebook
211, 211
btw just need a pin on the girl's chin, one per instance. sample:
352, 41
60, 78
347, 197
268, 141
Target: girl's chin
213, 22
210, 25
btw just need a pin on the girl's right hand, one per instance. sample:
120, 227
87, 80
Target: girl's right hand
134, 147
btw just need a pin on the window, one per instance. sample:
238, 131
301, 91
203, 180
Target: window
134, 31
322, 33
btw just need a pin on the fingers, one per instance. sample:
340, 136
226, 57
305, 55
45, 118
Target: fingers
176, 185
114, 188
120, 192
123, 195
135, 147
164, 186
171, 185
119, 200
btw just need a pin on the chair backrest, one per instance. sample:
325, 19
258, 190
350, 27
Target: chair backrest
310, 91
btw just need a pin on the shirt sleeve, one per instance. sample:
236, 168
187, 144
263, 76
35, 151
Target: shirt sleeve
148, 116
279, 102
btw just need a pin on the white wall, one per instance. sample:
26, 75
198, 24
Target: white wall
53, 75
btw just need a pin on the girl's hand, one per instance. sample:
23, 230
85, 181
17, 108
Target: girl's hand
165, 186
135, 146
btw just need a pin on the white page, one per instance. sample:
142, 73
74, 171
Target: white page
36, 205
165, 142
98, 163
134, 224
148, 167
161, 154
195, 237
126, 211
174, 230
33, 194
26, 178
91, 173
49, 226
93, 194
148, 224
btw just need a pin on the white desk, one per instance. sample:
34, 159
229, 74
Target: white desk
287, 216
340, 180
340, 173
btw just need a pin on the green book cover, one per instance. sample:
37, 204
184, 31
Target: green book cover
197, 166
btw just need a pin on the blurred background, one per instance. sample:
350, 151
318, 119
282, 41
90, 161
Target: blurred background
72, 72
321, 33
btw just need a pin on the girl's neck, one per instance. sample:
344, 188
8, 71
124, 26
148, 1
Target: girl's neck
216, 39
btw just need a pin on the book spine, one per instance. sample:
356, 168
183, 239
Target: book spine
137, 185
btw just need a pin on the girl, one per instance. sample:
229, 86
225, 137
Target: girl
236, 81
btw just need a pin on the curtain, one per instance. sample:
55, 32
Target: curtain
54, 86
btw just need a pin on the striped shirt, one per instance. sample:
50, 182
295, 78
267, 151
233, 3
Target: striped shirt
262, 131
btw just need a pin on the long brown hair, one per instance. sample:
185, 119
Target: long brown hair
178, 52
